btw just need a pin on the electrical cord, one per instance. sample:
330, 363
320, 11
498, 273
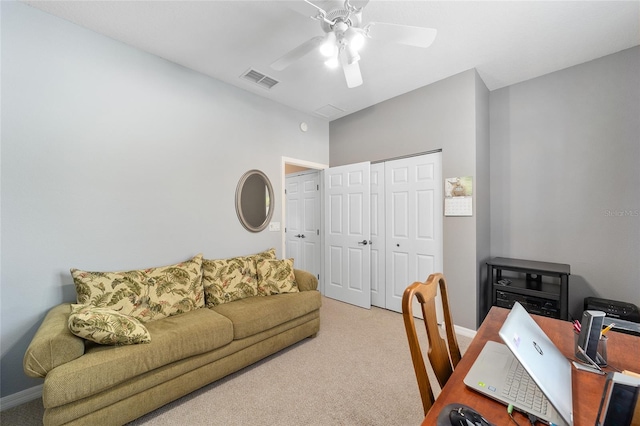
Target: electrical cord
510, 411
532, 419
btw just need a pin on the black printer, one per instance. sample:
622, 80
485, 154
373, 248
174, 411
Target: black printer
625, 316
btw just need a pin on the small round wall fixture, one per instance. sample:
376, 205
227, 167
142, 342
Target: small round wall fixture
254, 200
304, 126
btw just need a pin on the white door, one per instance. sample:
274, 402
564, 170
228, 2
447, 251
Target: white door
294, 221
378, 293
414, 223
302, 230
347, 230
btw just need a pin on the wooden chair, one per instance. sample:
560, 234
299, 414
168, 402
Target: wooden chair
443, 359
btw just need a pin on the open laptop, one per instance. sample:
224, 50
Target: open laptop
528, 347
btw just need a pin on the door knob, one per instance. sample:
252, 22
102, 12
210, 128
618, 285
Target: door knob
363, 242
302, 236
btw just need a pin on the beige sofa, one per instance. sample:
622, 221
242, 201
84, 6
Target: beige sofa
89, 383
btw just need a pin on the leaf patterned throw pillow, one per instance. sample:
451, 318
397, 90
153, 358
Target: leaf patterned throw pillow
276, 276
226, 280
106, 327
267, 254
147, 294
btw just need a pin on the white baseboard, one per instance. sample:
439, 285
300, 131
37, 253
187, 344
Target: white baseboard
464, 331
20, 398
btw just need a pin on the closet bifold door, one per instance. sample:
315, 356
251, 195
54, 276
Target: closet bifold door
413, 218
378, 245
347, 234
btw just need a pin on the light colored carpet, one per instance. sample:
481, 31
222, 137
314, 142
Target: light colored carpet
357, 371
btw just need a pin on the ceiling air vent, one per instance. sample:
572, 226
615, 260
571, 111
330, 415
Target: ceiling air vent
260, 79
329, 111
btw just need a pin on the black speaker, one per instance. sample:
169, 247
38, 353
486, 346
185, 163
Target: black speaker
591, 327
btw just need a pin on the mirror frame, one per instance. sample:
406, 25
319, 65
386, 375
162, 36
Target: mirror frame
239, 211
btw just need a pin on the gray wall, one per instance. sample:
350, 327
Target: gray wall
451, 115
483, 190
115, 159
565, 175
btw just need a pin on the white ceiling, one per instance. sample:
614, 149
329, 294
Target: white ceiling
506, 41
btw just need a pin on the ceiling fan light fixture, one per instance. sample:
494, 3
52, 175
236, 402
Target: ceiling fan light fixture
355, 38
352, 54
328, 47
332, 62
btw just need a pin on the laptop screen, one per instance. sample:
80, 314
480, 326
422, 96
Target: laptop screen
544, 362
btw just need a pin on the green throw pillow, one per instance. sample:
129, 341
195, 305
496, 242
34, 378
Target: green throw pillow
106, 326
276, 276
147, 294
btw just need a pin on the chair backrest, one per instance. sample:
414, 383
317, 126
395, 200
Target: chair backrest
443, 359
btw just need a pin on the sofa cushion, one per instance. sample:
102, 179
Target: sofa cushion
147, 294
53, 344
106, 326
276, 276
226, 280
173, 338
256, 314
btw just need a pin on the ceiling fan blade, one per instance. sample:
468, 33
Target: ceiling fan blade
403, 34
297, 53
304, 8
358, 4
352, 74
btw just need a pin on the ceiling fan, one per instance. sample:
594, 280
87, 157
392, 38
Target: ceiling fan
345, 35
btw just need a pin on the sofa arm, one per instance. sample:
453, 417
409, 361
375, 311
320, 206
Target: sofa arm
306, 280
53, 344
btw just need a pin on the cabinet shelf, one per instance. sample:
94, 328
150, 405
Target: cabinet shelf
541, 287
521, 286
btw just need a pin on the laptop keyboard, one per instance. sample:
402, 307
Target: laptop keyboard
523, 390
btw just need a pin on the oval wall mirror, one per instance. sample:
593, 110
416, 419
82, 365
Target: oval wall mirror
254, 200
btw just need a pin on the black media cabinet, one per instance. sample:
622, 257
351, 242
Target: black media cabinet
541, 287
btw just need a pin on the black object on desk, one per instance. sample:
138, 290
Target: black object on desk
444, 417
625, 316
541, 287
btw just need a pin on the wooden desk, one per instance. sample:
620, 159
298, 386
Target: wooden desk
623, 352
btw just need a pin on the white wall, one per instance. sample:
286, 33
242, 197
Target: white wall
451, 115
565, 175
114, 159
